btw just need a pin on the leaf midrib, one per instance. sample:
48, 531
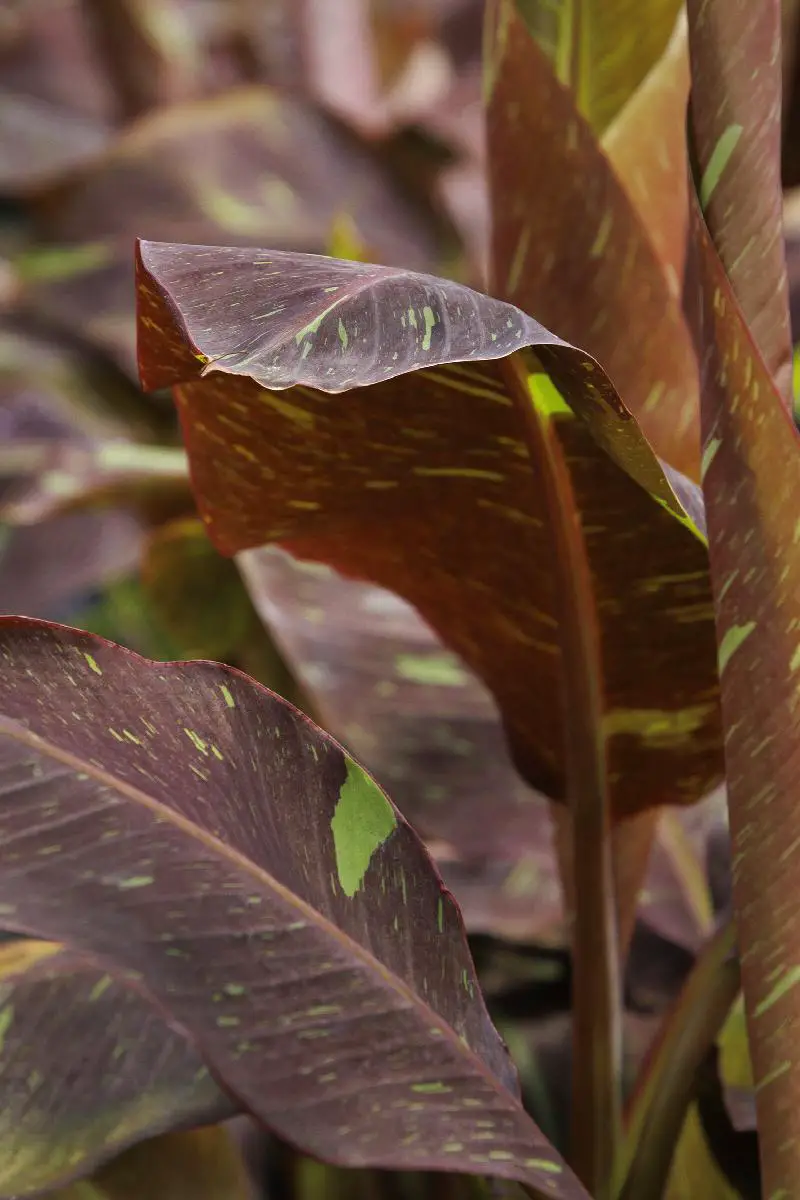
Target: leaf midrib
19, 733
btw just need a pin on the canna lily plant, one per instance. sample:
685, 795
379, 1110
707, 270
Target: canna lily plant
583, 479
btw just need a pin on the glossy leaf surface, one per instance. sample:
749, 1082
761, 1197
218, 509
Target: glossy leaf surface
332, 477
203, 833
89, 1066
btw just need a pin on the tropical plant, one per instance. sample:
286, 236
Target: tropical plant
517, 551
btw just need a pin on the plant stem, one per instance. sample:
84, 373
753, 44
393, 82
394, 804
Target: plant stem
596, 999
666, 1081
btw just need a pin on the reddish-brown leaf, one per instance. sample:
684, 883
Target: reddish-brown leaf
577, 254
462, 476
752, 486
200, 831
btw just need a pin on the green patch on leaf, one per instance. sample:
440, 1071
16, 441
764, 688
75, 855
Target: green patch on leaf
441, 670
362, 822
720, 157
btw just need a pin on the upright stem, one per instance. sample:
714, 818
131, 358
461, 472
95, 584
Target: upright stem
666, 1085
596, 1000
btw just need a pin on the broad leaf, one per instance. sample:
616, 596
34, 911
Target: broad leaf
201, 832
752, 488
601, 49
736, 128
409, 482
577, 254
89, 1066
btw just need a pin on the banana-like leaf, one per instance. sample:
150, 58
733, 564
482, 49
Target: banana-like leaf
433, 479
181, 822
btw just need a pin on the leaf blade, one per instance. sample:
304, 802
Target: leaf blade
266, 988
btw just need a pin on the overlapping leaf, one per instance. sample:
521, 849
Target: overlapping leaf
89, 1066
752, 488
181, 822
601, 49
578, 255
428, 483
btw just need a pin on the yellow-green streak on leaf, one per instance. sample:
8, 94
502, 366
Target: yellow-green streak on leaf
789, 979
6, 1019
430, 320
442, 670
709, 453
720, 157
546, 397
362, 821
731, 642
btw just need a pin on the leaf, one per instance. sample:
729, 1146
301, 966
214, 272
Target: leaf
752, 489
736, 128
198, 1164
88, 1067
440, 460
601, 49
578, 255
652, 169
274, 902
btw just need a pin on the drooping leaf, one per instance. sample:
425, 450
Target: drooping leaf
601, 49
578, 255
203, 833
88, 1067
736, 127
197, 1164
463, 475
752, 489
